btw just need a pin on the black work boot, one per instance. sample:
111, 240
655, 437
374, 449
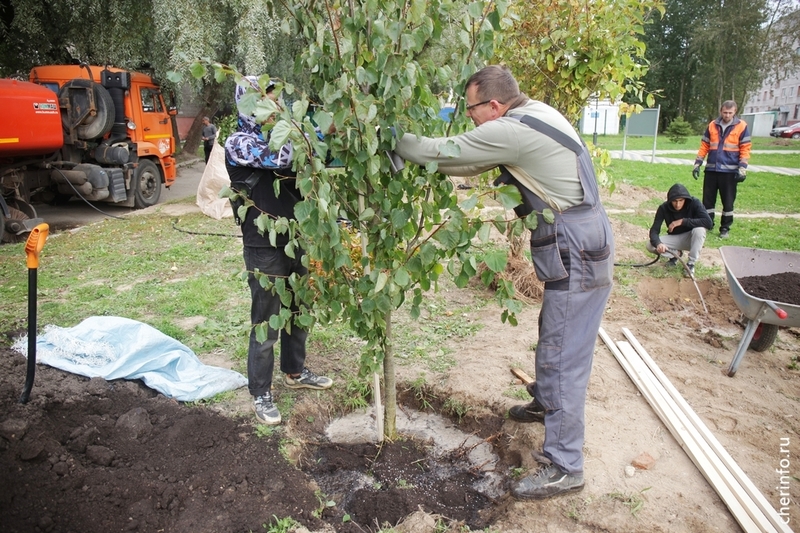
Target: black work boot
530, 412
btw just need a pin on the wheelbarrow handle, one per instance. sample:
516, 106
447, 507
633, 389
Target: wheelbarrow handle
778, 311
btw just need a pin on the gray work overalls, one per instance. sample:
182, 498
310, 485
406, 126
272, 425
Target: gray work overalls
574, 257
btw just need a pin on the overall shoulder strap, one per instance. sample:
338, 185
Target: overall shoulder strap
555, 134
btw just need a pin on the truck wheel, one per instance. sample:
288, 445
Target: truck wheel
146, 184
2, 226
764, 336
15, 224
92, 127
24, 207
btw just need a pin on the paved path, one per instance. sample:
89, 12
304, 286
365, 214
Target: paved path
646, 156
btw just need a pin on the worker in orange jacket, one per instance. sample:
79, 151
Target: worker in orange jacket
726, 141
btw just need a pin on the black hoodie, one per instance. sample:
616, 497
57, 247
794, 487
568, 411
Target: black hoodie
694, 215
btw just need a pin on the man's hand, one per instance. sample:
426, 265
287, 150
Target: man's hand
742, 175
696, 172
674, 224
661, 248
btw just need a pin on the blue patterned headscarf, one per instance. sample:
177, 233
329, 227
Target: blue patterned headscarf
248, 147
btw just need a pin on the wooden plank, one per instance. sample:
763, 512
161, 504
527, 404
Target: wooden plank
651, 389
706, 461
730, 464
522, 376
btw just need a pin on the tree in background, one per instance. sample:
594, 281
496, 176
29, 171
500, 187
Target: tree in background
564, 51
729, 54
673, 59
156, 36
703, 53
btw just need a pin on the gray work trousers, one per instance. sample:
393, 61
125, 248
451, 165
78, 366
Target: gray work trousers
574, 257
572, 309
692, 241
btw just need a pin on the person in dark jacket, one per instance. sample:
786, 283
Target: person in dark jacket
253, 170
687, 222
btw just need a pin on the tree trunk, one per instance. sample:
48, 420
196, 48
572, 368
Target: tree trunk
390, 384
211, 96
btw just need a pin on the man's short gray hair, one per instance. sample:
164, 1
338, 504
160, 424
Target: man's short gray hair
495, 82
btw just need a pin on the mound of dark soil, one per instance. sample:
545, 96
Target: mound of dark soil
783, 287
96, 456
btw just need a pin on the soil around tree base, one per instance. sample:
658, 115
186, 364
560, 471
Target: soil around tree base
89, 455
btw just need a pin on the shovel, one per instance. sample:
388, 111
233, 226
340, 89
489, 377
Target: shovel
33, 246
676, 255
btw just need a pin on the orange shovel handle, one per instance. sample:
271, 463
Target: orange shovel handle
35, 244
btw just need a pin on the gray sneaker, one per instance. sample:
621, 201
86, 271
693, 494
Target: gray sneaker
266, 412
547, 482
308, 380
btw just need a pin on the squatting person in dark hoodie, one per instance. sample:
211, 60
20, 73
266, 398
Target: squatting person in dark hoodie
687, 222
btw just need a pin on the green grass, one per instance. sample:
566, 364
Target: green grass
767, 233
614, 142
140, 268
762, 192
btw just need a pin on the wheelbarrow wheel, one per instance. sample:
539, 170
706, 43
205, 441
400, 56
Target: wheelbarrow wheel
764, 336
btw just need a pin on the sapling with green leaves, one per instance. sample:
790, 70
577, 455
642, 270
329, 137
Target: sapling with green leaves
373, 79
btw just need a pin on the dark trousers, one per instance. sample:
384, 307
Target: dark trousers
207, 147
264, 303
724, 183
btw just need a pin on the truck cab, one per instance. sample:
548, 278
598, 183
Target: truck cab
116, 118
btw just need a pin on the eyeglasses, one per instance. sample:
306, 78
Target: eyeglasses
467, 108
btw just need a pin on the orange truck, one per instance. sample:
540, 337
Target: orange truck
102, 134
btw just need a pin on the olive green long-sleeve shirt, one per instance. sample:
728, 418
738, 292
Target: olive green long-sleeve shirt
541, 164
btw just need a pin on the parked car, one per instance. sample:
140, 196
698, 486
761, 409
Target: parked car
789, 132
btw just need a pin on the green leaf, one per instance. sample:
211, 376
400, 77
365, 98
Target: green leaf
509, 196
496, 260
324, 120
367, 215
198, 70
401, 277
175, 77
262, 331
470, 202
381, 281
299, 108
532, 221
449, 149
548, 216
484, 233
279, 134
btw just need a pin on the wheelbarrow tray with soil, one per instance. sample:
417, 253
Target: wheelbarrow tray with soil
763, 316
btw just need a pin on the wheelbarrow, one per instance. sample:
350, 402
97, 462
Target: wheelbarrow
763, 316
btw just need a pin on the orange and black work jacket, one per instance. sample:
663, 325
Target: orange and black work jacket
726, 151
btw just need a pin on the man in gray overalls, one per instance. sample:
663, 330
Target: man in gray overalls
539, 152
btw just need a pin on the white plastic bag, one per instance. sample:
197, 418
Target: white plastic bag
215, 177
120, 348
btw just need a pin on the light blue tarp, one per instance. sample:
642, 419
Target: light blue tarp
121, 348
